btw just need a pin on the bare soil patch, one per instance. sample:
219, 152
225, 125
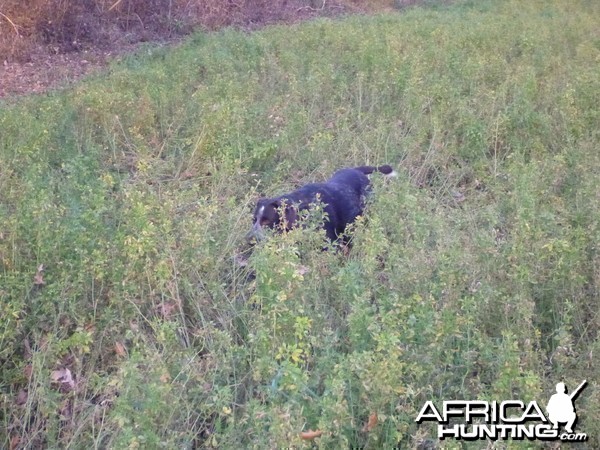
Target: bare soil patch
46, 71
43, 48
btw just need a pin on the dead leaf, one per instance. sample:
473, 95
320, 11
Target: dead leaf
28, 371
27, 349
43, 344
302, 270
458, 196
14, 442
120, 349
38, 278
371, 423
186, 175
66, 409
166, 309
310, 435
64, 377
22, 397
165, 377
241, 260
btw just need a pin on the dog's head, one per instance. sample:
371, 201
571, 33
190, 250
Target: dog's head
274, 213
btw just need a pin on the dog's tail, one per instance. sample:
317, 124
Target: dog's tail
387, 170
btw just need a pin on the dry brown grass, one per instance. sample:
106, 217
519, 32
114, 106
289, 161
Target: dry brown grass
60, 26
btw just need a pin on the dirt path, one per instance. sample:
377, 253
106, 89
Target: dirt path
45, 72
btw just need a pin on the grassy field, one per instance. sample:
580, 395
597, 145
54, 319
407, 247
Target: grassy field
127, 321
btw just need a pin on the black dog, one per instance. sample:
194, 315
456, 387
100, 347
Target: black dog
342, 196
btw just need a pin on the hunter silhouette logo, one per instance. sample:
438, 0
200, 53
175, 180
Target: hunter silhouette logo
509, 419
560, 406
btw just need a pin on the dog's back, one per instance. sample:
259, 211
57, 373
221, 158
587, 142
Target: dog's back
351, 186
